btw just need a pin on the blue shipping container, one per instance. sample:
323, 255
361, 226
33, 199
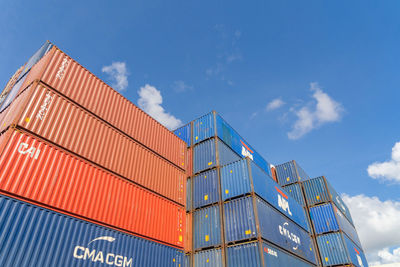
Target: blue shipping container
212, 124
205, 155
240, 224
319, 190
208, 258
205, 188
34, 236
328, 218
239, 178
185, 133
207, 227
248, 254
296, 192
336, 249
189, 194
290, 172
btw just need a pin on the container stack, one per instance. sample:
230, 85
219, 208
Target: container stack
240, 215
86, 177
332, 227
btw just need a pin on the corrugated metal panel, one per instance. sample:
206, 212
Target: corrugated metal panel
62, 73
295, 191
188, 234
205, 155
324, 219
203, 128
282, 232
187, 260
51, 116
275, 257
240, 222
189, 161
11, 95
43, 50
290, 172
244, 255
356, 255
208, 258
33, 236
316, 192
185, 133
189, 194
227, 134
205, 188
10, 84
235, 179
332, 249
207, 227
42, 173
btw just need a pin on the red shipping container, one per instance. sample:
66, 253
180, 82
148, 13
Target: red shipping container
68, 77
42, 173
47, 114
188, 233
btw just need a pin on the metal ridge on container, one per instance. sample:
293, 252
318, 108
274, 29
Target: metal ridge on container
63, 74
45, 113
35, 236
42, 173
290, 172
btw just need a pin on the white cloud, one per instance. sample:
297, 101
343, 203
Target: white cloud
118, 73
274, 104
181, 86
377, 223
150, 101
389, 170
309, 117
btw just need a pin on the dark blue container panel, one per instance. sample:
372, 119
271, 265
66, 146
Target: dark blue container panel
36, 57
235, 180
336, 249
189, 194
33, 236
208, 258
282, 232
324, 219
187, 261
185, 134
240, 222
290, 172
294, 190
249, 255
227, 134
340, 203
205, 155
207, 227
203, 128
205, 188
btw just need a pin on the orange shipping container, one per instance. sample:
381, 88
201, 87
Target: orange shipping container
188, 233
42, 173
189, 162
68, 77
46, 113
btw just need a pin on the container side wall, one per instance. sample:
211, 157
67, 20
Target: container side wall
316, 191
226, 155
204, 156
332, 249
339, 202
235, 179
324, 218
203, 128
244, 255
275, 257
207, 227
185, 134
189, 194
208, 258
295, 191
347, 227
33, 236
189, 233
205, 187
356, 255
43, 50
286, 173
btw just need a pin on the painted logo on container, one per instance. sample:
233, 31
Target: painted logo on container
61, 70
45, 106
282, 201
289, 235
246, 151
32, 151
98, 256
360, 262
271, 252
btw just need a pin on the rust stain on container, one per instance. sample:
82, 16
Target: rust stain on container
34, 170
68, 77
44, 112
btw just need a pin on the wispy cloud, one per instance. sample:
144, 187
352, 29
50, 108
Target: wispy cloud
389, 170
150, 101
181, 86
118, 74
377, 224
274, 104
312, 116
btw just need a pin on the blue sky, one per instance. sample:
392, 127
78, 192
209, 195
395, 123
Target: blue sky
236, 58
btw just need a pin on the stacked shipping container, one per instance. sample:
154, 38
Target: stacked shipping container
234, 200
74, 155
